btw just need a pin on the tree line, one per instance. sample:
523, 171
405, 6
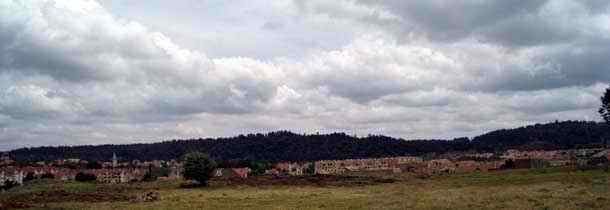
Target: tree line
289, 146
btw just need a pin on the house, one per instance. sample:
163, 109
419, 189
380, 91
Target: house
5, 159
73, 160
294, 168
14, 176
175, 172
467, 166
531, 163
228, 173
370, 164
115, 176
590, 158
538, 154
329, 167
440, 166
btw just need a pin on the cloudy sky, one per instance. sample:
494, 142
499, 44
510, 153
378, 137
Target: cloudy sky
123, 71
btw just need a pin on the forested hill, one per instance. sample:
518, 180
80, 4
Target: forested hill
287, 146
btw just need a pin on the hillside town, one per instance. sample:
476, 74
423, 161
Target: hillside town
115, 171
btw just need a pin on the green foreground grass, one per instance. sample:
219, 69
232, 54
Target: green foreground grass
520, 189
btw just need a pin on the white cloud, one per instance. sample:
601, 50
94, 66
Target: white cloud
72, 72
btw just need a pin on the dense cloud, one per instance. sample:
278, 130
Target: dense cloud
549, 43
80, 72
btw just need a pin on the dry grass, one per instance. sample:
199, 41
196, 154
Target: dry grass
503, 190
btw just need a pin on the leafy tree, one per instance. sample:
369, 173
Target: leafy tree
29, 177
259, 167
604, 110
8, 184
311, 169
94, 165
148, 176
85, 177
509, 164
154, 173
47, 176
199, 167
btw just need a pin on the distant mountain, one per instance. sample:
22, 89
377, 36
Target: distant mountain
288, 146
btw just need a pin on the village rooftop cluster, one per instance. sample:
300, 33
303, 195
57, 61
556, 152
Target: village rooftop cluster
115, 171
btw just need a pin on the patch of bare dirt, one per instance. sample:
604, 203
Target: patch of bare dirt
29, 200
14, 205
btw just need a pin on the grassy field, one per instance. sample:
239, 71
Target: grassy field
519, 189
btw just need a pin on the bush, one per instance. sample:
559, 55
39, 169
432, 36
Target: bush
160, 172
508, 164
29, 177
153, 173
198, 167
8, 184
259, 167
47, 176
85, 177
148, 177
94, 165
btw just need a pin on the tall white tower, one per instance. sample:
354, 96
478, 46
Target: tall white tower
114, 160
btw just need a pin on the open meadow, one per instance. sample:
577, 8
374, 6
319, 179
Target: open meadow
518, 189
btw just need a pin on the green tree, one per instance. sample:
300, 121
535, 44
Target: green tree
29, 177
8, 184
604, 110
93, 165
199, 167
259, 167
85, 177
47, 176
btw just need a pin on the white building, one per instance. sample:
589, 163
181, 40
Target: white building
17, 177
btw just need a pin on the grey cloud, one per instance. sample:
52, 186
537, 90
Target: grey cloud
574, 64
553, 43
553, 100
412, 69
272, 25
38, 60
110, 67
509, 23
526, 30
436, 97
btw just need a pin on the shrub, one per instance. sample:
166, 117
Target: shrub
29, 177
259, 167
149, 177
47, 176
160, 172
85, 177
198, 167
508, 164
8, 184
153, 173
94, 165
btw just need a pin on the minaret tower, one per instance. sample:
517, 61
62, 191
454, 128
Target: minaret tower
114, 160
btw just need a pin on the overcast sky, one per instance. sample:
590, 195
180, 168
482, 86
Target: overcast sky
124, 71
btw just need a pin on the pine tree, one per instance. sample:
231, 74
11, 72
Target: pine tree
604, 110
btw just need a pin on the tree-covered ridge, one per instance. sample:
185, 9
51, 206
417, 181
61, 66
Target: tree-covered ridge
288, 146
558, 135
